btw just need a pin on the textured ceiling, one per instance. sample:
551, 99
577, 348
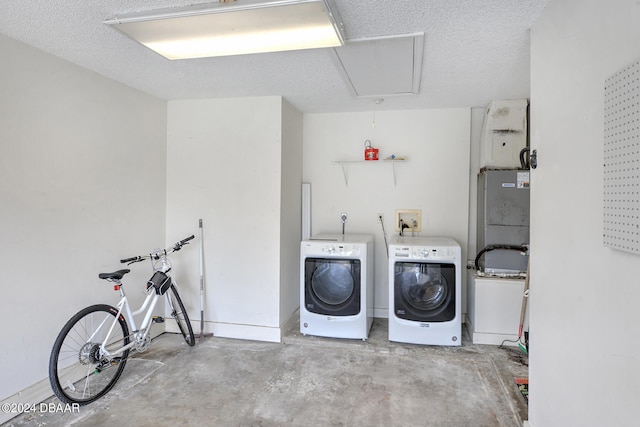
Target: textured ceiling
474, 51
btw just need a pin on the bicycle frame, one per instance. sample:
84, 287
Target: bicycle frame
162, 264
123, 307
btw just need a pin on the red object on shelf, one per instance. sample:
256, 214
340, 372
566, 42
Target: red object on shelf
370, 153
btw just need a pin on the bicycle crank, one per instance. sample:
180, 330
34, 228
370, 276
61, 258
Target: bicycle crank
143, 341
106, 363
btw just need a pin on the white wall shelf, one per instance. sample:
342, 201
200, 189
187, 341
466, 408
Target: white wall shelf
345, 163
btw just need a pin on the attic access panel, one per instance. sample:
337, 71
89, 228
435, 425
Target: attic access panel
383, 66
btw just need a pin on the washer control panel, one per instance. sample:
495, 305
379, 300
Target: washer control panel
423, 252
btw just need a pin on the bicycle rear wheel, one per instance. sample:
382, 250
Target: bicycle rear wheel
78, 371
179, 313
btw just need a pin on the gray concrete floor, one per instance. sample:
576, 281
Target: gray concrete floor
308, 381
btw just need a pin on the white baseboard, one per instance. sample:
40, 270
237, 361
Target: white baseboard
246, 332
31, 395
232, 330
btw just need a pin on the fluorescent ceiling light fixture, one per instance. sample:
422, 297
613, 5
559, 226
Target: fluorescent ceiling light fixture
235, 28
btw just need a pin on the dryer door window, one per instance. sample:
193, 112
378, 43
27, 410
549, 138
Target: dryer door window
332, 286
425, 292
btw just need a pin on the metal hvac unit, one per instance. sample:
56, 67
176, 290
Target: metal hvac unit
503, 219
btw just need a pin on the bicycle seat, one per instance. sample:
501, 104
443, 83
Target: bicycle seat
116, 275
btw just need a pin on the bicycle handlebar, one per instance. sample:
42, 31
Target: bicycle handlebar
183, 241
175, 247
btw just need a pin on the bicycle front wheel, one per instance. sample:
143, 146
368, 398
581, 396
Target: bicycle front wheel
79, 371
179, 313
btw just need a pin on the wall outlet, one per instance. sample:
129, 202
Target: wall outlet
410, 219
343, 217
380, 218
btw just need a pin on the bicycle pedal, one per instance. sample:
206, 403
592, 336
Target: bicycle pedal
158, 319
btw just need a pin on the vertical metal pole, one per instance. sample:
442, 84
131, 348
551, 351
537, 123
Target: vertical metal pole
202, 334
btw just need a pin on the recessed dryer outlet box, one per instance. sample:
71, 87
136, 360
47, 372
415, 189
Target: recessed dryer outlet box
411, 217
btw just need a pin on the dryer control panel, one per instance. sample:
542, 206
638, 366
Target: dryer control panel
424, 252
336, 249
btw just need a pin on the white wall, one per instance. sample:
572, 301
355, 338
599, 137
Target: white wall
82, 185
584, 296
225, 165
435, 178
291, 211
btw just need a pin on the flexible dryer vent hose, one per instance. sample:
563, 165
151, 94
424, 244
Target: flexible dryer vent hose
520, 248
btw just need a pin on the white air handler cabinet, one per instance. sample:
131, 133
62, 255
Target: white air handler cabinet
504, 133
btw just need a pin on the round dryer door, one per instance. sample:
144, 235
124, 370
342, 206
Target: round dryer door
332, 284
425, 292
332, 287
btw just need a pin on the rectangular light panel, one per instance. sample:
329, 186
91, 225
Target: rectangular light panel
235, 28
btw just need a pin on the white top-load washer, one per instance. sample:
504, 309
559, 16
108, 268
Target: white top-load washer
425, 291
336, 285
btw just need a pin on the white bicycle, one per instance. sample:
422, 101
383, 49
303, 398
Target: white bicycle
91, 350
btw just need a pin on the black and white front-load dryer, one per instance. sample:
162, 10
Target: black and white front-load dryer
336, 286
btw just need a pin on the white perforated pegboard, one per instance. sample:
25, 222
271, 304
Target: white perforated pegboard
621, 228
